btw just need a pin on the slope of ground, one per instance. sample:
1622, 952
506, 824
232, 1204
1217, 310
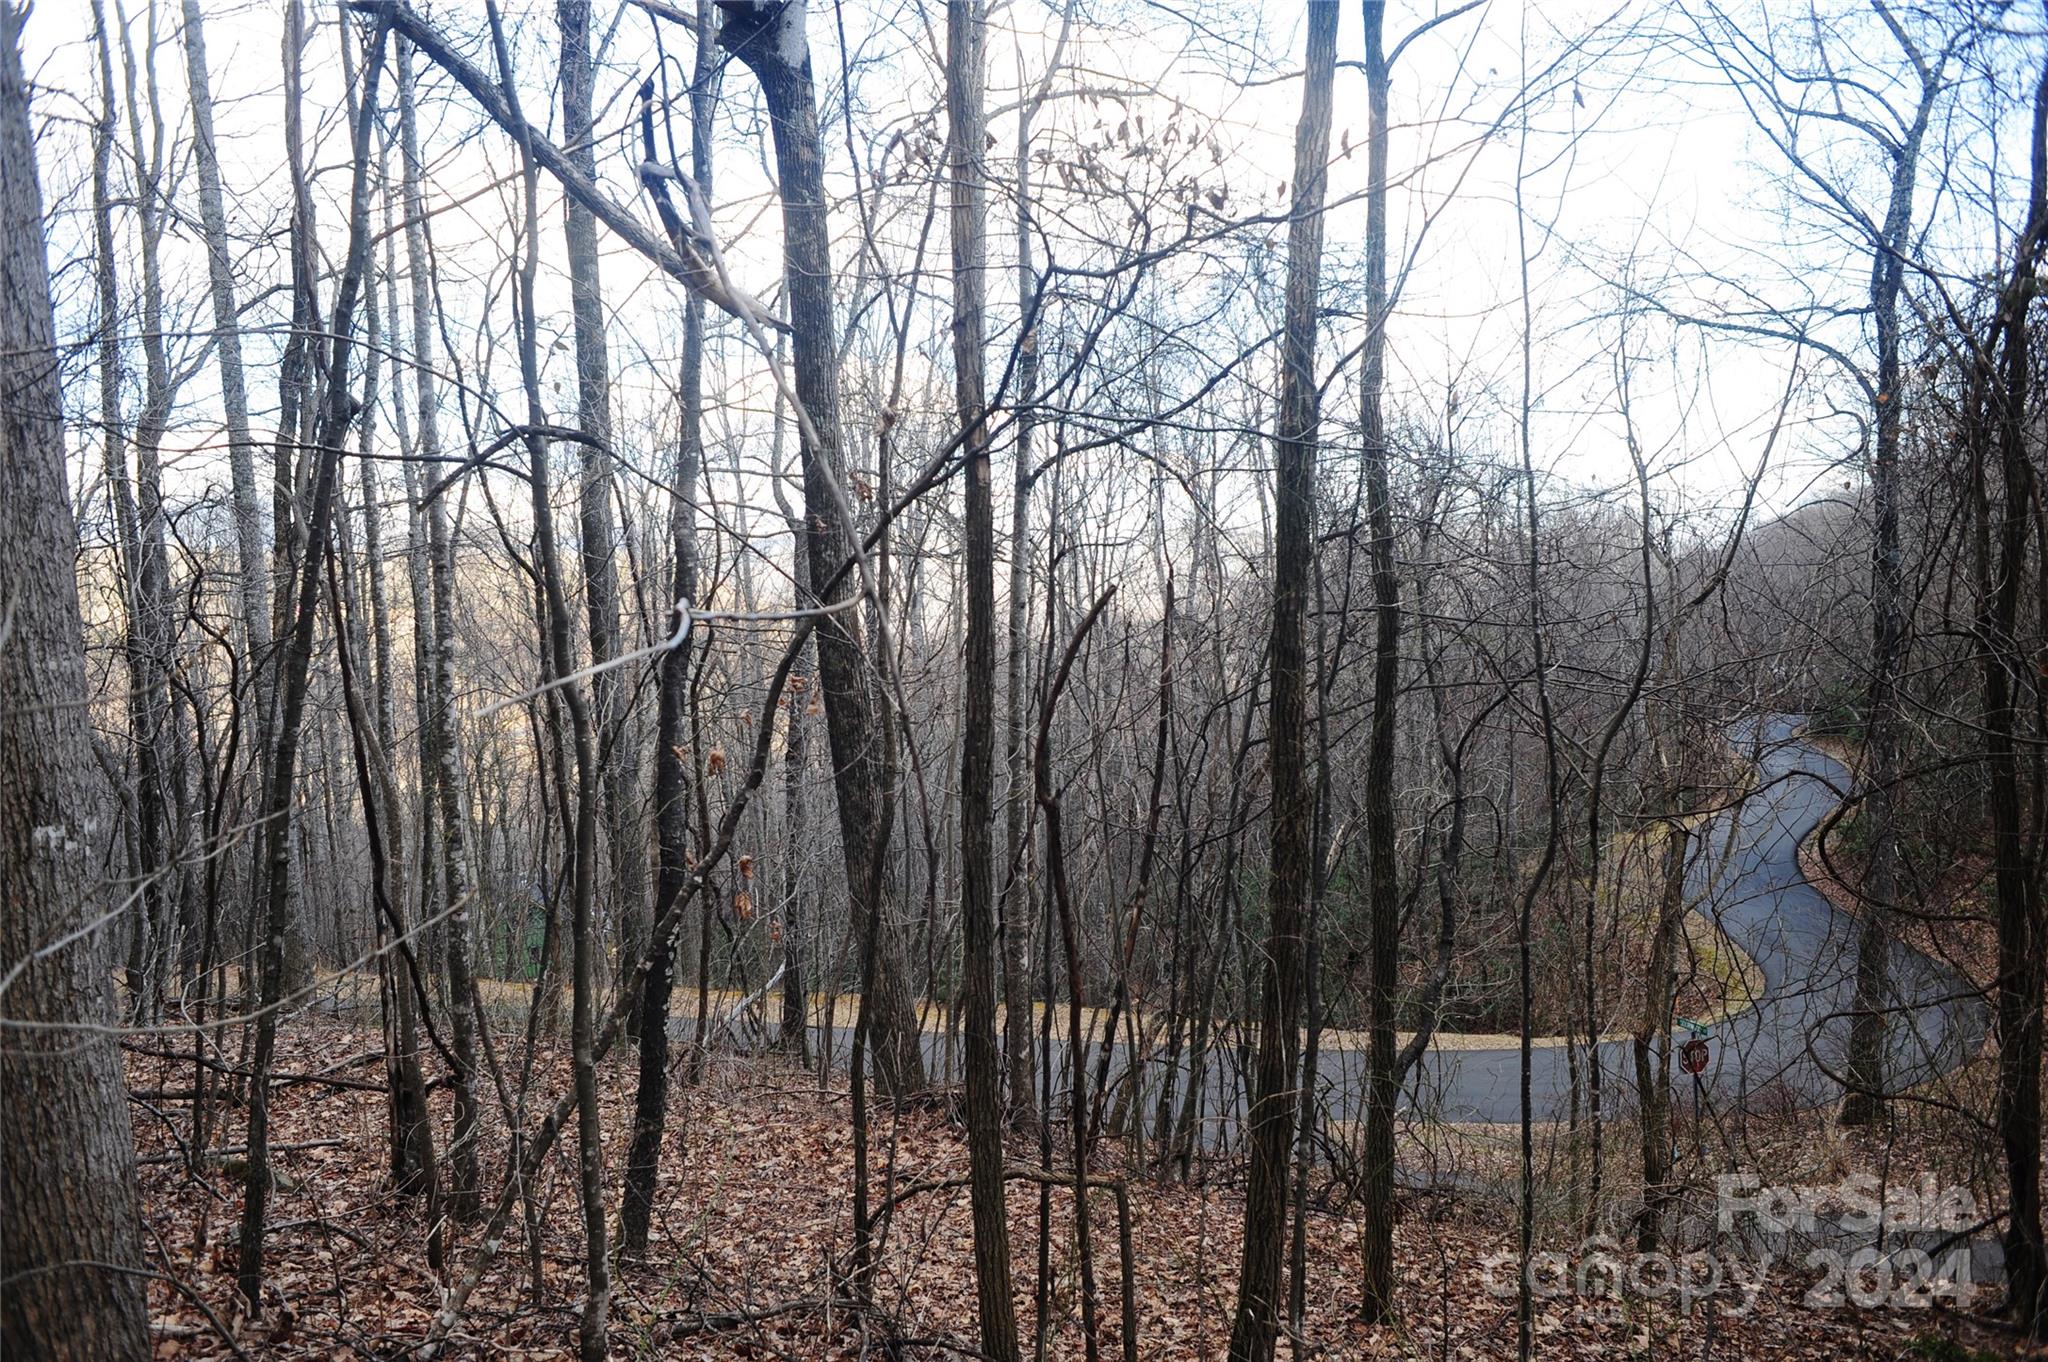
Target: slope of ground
752, 1233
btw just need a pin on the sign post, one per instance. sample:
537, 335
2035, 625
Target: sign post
1693, 1058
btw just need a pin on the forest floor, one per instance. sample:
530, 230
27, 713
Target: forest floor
752, 1233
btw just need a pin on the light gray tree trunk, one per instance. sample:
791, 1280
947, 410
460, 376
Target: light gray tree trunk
618, 754
254, 583
67, 1183
450, 780
291, 475
1020, 900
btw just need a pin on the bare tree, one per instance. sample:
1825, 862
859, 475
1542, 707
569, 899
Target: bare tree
338, 412
441, 745
67, 1185
771, 42
1295, 434
676, 774
1805, 97
2002, 401
618, 752
965, 77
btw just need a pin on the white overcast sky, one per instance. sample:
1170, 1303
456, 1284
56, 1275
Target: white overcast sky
1640, 154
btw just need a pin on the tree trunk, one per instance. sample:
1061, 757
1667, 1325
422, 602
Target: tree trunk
67, 1185
1019, 901
1272, 1111
2001, 386
336, 414
772, 43
1866, 1099
618, 754
964, 85
253, 585
674, 754
297, 400
799, 926
149, 631
143, 837
580, 819
1384, 912
444, 740
413, 1167
1652, 1041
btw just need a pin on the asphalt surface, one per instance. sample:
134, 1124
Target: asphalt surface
1786, 1050
1790, 1046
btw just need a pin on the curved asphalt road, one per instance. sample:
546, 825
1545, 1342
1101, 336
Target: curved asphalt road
1790, 1046
1787, 1049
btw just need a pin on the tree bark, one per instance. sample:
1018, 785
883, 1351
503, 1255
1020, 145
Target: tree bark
1272, 1111
143, 837
337, 412
1019, 894
413, 1166
449, 785
618, 753
2002, 376
799, 926
1867, 1098
67, 1185
1384, 910
964, 122
558, 666
253, 584
771, 42
674, 754
297, 407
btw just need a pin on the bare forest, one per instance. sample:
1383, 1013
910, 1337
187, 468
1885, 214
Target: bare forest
1023, 678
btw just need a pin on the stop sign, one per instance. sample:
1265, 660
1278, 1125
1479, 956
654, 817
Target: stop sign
1692, 1056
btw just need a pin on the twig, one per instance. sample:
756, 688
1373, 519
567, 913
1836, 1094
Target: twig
230, 1151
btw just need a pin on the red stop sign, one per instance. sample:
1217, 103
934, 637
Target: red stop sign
1692, 1056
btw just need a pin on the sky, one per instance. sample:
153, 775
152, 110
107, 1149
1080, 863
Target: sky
1635, 162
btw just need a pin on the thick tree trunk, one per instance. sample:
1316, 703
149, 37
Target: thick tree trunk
67, 1184
1272, 1111
772, 43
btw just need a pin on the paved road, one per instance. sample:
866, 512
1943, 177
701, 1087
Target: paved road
1786, 1050
1791, 1044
